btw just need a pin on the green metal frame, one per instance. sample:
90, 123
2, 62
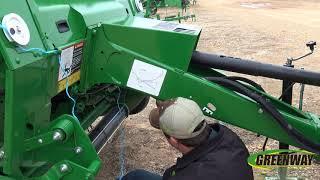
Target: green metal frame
182, 80
39, 143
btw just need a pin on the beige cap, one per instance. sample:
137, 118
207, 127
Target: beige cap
177, 118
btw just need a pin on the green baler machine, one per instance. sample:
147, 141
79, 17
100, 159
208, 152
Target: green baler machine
66, 63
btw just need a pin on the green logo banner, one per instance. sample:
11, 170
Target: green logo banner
281, 158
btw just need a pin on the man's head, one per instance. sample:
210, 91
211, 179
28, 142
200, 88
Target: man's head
182, 122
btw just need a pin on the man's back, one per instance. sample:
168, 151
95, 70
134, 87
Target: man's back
222, 157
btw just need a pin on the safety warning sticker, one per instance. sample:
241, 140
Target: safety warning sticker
70, 62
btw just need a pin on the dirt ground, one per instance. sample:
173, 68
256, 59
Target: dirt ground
267, 31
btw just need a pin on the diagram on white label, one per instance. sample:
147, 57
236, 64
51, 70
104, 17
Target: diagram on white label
146, 77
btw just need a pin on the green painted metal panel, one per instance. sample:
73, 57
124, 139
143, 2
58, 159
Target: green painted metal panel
114, 36
242, 112
179, 82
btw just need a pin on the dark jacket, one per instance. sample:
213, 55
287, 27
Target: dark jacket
222, 157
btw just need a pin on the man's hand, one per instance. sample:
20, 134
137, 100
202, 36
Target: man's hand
162, 105
155, 113
154, 118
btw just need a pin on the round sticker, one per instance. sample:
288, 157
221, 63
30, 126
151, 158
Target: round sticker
16, 29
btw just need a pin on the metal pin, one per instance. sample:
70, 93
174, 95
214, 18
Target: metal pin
64, 168
57, 135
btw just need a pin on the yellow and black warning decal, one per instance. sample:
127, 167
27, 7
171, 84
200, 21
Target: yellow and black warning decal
70, 62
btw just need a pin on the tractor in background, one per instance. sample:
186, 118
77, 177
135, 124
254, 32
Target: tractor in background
152, 6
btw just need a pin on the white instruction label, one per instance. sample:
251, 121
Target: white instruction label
146, 77
65, 62
147, 23
163, 25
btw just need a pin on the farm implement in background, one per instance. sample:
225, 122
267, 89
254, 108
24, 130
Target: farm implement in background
152, 6
63, 65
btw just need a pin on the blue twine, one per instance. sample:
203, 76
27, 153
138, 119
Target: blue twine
67, 89
122, 142
73, 101
3, 27
44, 52
39, 50
122, 154
24, 50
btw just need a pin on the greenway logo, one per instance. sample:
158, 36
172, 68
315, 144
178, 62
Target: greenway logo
281, 157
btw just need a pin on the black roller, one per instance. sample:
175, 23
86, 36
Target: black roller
255, 68
107, 126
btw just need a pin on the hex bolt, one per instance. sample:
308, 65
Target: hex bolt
40, 141
1, 154
18, 60
260, 111
64, 168
57, 136
78, 150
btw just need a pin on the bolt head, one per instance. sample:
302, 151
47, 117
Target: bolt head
1, 154
78, 150
40, 141
260, 111
64, 168
57, 135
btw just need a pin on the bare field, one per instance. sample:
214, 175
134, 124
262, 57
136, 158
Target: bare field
266, 31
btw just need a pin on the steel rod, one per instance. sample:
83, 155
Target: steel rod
255, 68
